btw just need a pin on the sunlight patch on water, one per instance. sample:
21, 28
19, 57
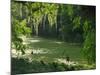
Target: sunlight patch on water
37, 51
66, 62
58, 42
25, 43
33, 41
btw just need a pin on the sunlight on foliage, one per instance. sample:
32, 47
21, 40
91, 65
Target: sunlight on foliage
52, 36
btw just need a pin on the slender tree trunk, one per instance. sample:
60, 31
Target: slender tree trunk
61, 18
36, 30
20, 10
44, 22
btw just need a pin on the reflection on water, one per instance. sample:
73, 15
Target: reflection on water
58, 42
29, 51
34, 41
66, 62
39, 51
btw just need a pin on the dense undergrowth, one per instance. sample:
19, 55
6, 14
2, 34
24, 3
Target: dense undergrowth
23, 66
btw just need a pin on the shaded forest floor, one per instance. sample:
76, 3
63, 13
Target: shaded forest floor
42, 51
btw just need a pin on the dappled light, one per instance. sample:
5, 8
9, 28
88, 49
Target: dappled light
58, 42
33, 41
67, 62
50, 37
39, 51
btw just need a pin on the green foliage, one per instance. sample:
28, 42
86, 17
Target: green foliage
19, 28
70, 10
65, 22
87, 26
22, 66
76, 22
23, 29
89, 47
